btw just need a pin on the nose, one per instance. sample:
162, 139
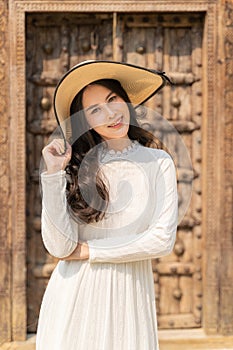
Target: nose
109, 111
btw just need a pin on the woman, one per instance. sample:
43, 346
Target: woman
109, 207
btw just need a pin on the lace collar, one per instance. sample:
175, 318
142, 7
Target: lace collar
107, 153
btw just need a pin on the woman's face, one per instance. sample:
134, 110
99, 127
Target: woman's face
106, 112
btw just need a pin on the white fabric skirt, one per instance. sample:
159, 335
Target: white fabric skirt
101, 306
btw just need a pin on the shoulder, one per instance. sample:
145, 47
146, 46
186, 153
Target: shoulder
157, 161
156, 154
159, 153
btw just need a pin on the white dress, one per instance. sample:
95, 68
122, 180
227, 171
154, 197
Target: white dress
108, 301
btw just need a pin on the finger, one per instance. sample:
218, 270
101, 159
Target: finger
68, 149
65, 147
61, 146
55, 149
52, 148
58, 146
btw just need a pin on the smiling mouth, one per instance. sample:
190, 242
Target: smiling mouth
118, 123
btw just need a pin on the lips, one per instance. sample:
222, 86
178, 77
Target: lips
118, 123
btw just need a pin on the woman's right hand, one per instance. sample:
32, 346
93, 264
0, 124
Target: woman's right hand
53, 155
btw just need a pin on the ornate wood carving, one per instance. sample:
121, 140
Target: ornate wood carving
226, 277
17, 170
116, 6
211, 174
5, 222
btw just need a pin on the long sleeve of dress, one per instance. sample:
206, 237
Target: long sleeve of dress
158, 240
59, 231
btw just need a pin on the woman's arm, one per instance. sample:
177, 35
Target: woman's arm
158, 239
81, 252
59, 231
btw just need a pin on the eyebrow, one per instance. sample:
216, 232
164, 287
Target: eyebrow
93, 106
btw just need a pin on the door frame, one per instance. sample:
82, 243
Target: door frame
212, 142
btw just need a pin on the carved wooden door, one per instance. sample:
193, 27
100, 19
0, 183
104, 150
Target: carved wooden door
166, 42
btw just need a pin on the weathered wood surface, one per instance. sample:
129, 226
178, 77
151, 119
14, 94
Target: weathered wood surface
5, 222
226, 275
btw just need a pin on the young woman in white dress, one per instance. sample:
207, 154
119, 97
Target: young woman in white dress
109, 206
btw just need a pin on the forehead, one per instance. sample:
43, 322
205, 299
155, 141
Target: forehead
95, 94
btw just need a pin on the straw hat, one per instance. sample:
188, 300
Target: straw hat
139, 83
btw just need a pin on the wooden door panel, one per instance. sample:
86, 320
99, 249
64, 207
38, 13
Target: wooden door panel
165, 42
174, 45
54, 43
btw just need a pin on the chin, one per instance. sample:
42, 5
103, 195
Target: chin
116, 134
116, 137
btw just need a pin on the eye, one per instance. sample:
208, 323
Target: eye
112, 98
95, 110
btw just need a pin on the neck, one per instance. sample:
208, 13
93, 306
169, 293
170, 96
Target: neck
119, 144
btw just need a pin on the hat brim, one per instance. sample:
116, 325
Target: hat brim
139, 83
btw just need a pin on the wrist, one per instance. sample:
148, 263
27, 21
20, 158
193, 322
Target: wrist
53, 170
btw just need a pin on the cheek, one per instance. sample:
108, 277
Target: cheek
96, 121
127, 113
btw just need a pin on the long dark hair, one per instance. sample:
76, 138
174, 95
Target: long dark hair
87, 191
